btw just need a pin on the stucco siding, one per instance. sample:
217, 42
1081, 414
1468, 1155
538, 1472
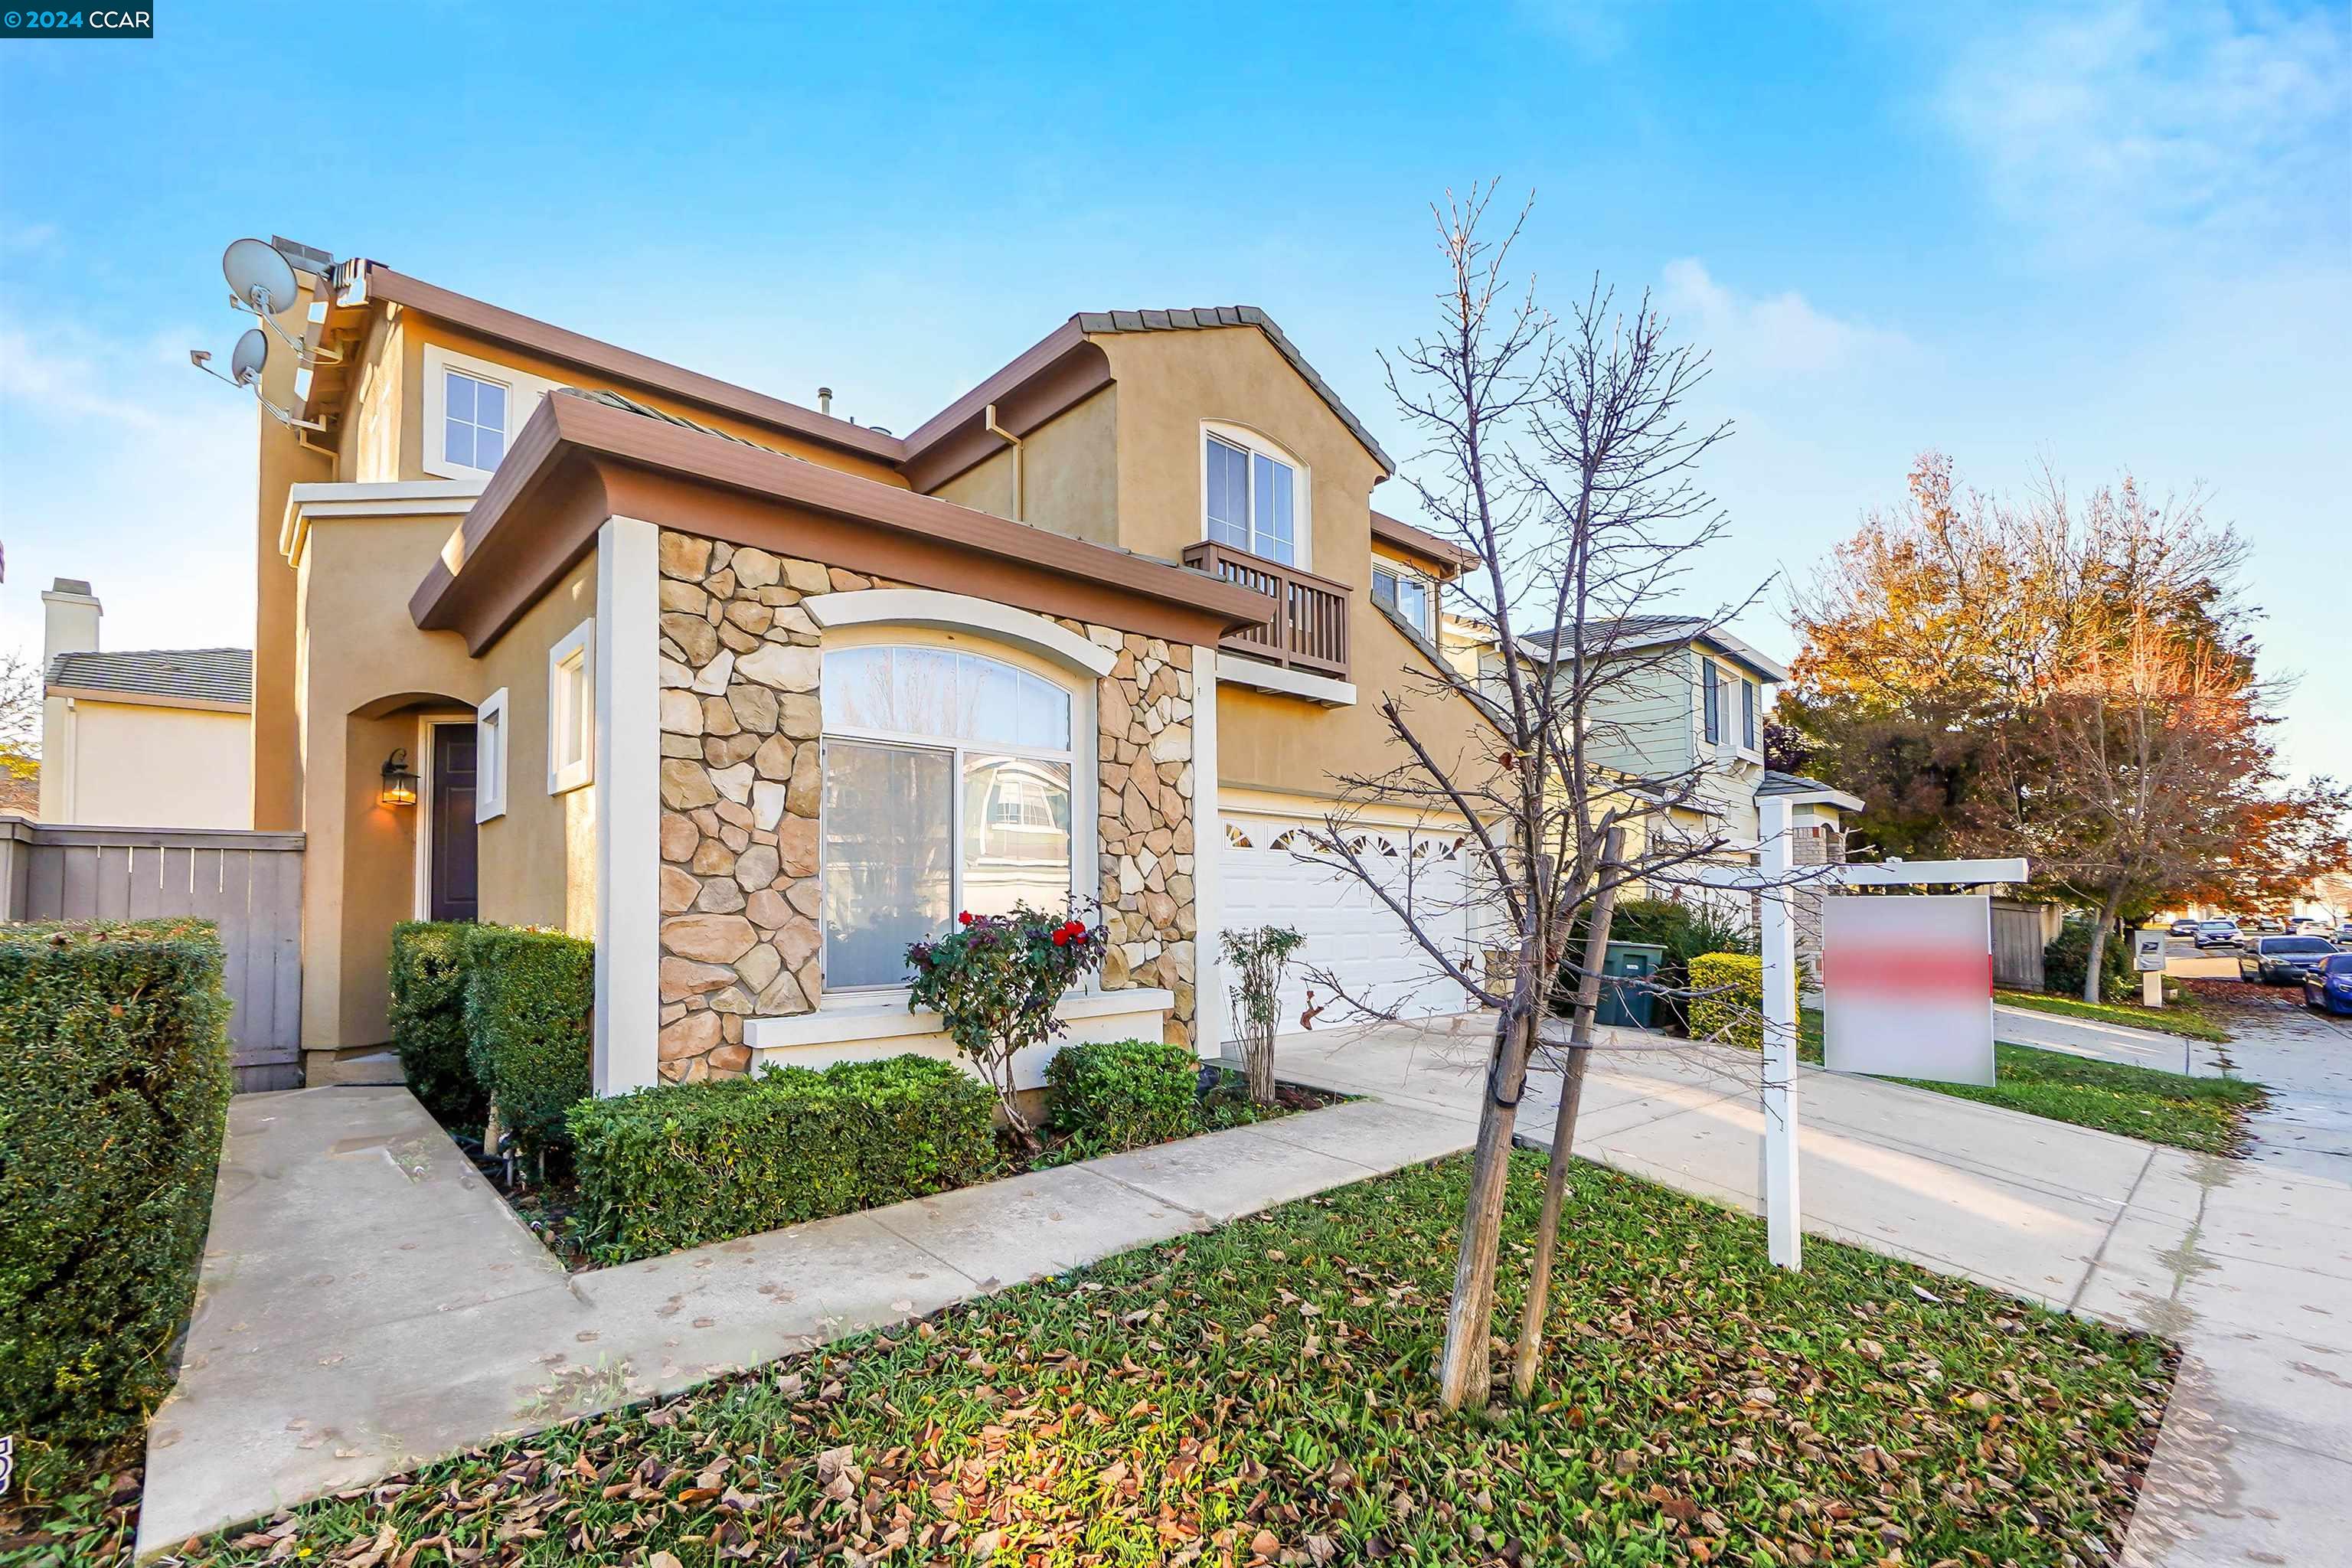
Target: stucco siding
538, 859
1070, 474
140, 765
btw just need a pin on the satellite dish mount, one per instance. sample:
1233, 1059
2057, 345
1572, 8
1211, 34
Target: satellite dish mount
261, 284
245, 362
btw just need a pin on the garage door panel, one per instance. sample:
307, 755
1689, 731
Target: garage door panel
1348, 931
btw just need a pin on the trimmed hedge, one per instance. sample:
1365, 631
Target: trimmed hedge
428, 1018
1123, 1094
114, 1089
686, 1165
530, 1006
1734, 1015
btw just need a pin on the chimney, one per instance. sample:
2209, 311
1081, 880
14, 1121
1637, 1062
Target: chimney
69, 619
824, 400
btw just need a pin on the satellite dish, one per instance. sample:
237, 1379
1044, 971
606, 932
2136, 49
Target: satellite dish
258, 278
252, 351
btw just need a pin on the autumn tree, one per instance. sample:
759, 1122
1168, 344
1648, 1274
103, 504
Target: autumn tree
2071, 682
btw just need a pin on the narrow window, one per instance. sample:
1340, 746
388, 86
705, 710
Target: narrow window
1711, 700
1747, 714
491, 757
571, 709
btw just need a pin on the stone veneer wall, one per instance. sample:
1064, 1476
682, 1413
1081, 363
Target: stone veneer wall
740, 787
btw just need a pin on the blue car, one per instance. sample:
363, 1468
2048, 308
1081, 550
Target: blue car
2328, 987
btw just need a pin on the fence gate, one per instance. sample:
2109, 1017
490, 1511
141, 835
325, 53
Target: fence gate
250, 884
2020, 932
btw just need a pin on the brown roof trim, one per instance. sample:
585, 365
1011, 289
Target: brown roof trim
1058, 372
1402, 536
591, 354
579, 460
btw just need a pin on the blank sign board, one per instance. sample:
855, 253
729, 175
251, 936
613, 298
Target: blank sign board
1906, 986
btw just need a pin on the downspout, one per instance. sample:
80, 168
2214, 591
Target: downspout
988, 420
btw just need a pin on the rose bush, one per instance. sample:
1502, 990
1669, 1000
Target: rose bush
995, 980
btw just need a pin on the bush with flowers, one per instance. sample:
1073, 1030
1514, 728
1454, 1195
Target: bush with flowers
995, 980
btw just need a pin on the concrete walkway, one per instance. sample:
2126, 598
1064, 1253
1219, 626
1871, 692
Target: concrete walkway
2249, 1266
369, 1303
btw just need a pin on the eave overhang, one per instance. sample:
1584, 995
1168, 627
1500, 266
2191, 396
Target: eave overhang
580, 461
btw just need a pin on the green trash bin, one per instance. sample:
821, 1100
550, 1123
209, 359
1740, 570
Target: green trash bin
1624, 1002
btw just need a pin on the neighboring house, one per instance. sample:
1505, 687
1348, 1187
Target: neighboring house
1691, 705
754, 695
156, 738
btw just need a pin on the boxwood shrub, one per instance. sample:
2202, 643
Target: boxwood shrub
428, 1018
683, 1164
531, 1005
1733, 1013
114, 1088
1122, 1094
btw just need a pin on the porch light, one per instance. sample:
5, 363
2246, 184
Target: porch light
399, 780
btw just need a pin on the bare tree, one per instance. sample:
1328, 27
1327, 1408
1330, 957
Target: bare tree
1560, 455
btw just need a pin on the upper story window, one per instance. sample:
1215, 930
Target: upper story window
1406, 592
473, 420
1710, 684
474, 409
1748, 696
947, 787
1254, 496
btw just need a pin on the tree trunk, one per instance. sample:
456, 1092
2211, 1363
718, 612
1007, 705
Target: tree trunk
1258, 1060
1529, 1354
2099, 931
1464, 1370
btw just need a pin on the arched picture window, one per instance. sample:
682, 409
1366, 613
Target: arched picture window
947, 787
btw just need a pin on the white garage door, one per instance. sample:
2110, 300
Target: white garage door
1348, 931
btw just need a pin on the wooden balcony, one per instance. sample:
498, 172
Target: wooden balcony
1306, 626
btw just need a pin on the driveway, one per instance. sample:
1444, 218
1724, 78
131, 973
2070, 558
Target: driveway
2248, 1265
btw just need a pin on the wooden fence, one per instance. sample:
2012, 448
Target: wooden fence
2020, 932
250, 884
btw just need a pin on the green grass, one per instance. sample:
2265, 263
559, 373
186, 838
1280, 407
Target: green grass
1261, 1392
2184, 1017
2206, 1115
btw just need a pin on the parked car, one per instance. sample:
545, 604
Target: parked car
2262, 922
2344, 933
2328, 985
2182, 928
2282, 960
2217, 933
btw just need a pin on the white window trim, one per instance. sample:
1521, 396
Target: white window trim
421, 759
1080, 682
576, 645
1403, 573
523, 394
1302, 495
490, 758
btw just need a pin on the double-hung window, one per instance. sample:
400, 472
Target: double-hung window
1251, 500
1710, 682
1406, 593
947, 788
1747, 714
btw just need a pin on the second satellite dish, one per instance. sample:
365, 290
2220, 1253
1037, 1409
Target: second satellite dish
258, 277
246, 360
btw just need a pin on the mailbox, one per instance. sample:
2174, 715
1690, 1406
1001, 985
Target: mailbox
2148, 949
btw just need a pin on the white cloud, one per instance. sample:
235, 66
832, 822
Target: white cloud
2120, 124
1781, 334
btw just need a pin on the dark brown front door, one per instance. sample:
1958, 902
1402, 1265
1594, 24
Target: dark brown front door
454, 897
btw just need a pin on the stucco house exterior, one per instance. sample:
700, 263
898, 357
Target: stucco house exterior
144, 738
754, 695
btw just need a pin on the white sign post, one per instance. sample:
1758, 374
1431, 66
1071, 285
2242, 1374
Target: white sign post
1779, 879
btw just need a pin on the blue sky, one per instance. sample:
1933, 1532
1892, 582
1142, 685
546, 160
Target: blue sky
2110, 235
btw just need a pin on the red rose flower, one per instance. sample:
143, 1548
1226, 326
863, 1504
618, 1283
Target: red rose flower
1061, 939
965, 917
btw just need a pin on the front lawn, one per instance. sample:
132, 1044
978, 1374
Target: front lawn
1262, 1392
2184, 1017
2206, 1115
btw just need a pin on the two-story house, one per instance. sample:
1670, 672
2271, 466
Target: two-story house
552, 632
1683, 716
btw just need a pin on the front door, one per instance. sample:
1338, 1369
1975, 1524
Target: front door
452, 851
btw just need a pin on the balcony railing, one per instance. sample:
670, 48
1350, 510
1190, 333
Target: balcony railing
1306, 626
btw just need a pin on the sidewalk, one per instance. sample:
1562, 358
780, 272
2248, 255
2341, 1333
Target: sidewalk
369, 1303
2249, 1267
